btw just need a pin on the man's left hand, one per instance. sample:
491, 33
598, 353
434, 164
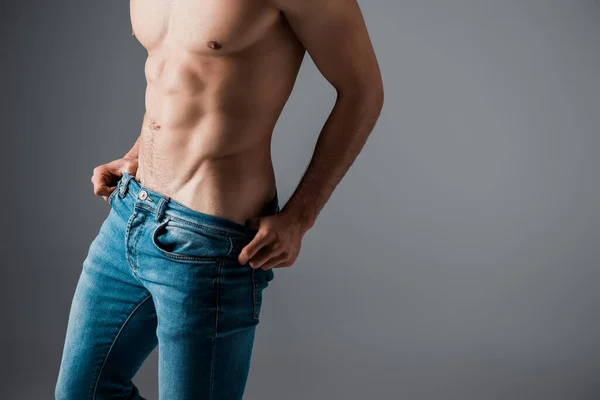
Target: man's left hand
275, 245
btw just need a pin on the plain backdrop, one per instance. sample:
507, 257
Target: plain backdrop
459, 258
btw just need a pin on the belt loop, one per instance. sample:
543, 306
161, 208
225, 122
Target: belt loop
124, 185
160, 209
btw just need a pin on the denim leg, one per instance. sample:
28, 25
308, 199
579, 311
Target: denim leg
206, 326
112, 323
207, 305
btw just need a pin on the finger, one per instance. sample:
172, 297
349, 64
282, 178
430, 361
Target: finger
260, 239
99, 179
274, 262
104, 181
103, 190
108, 174
106, 196
262, 256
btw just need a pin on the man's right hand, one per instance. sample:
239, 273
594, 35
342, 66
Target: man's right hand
106, 176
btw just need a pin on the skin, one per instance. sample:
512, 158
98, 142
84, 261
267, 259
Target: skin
218, 76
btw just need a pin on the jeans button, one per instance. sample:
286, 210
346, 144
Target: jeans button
143, 195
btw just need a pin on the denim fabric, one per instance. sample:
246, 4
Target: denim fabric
160, 273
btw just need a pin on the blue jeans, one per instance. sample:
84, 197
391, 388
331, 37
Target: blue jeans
160, 273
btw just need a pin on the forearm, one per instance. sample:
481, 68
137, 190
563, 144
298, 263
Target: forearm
343, 136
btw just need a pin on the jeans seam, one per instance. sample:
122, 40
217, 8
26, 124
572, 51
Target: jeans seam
130, 314
215, 330
212, 369
254, 295
127, 234
127, 253
137, 240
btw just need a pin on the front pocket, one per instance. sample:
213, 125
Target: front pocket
187, 242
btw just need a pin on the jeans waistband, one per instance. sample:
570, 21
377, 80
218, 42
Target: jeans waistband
162, 205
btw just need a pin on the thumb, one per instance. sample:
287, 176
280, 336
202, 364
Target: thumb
129, 167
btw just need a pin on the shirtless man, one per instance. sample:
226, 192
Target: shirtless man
195, 228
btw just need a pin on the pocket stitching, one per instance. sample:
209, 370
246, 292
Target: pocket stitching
181, 257
221, 232
255, 296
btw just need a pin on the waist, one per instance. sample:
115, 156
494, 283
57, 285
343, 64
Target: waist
159, 203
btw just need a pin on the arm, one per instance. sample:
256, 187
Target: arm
335, 35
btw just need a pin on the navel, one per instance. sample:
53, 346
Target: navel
213, 44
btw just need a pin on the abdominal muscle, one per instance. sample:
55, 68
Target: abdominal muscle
206, 133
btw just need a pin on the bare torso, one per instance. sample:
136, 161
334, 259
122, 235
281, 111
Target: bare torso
218, 75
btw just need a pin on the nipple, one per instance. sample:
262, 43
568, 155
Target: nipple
213, 44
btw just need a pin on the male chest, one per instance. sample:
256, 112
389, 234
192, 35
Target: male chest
201, 26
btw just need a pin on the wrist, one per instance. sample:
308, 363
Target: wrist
300, 218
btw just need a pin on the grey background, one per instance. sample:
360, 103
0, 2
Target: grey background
458, 258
